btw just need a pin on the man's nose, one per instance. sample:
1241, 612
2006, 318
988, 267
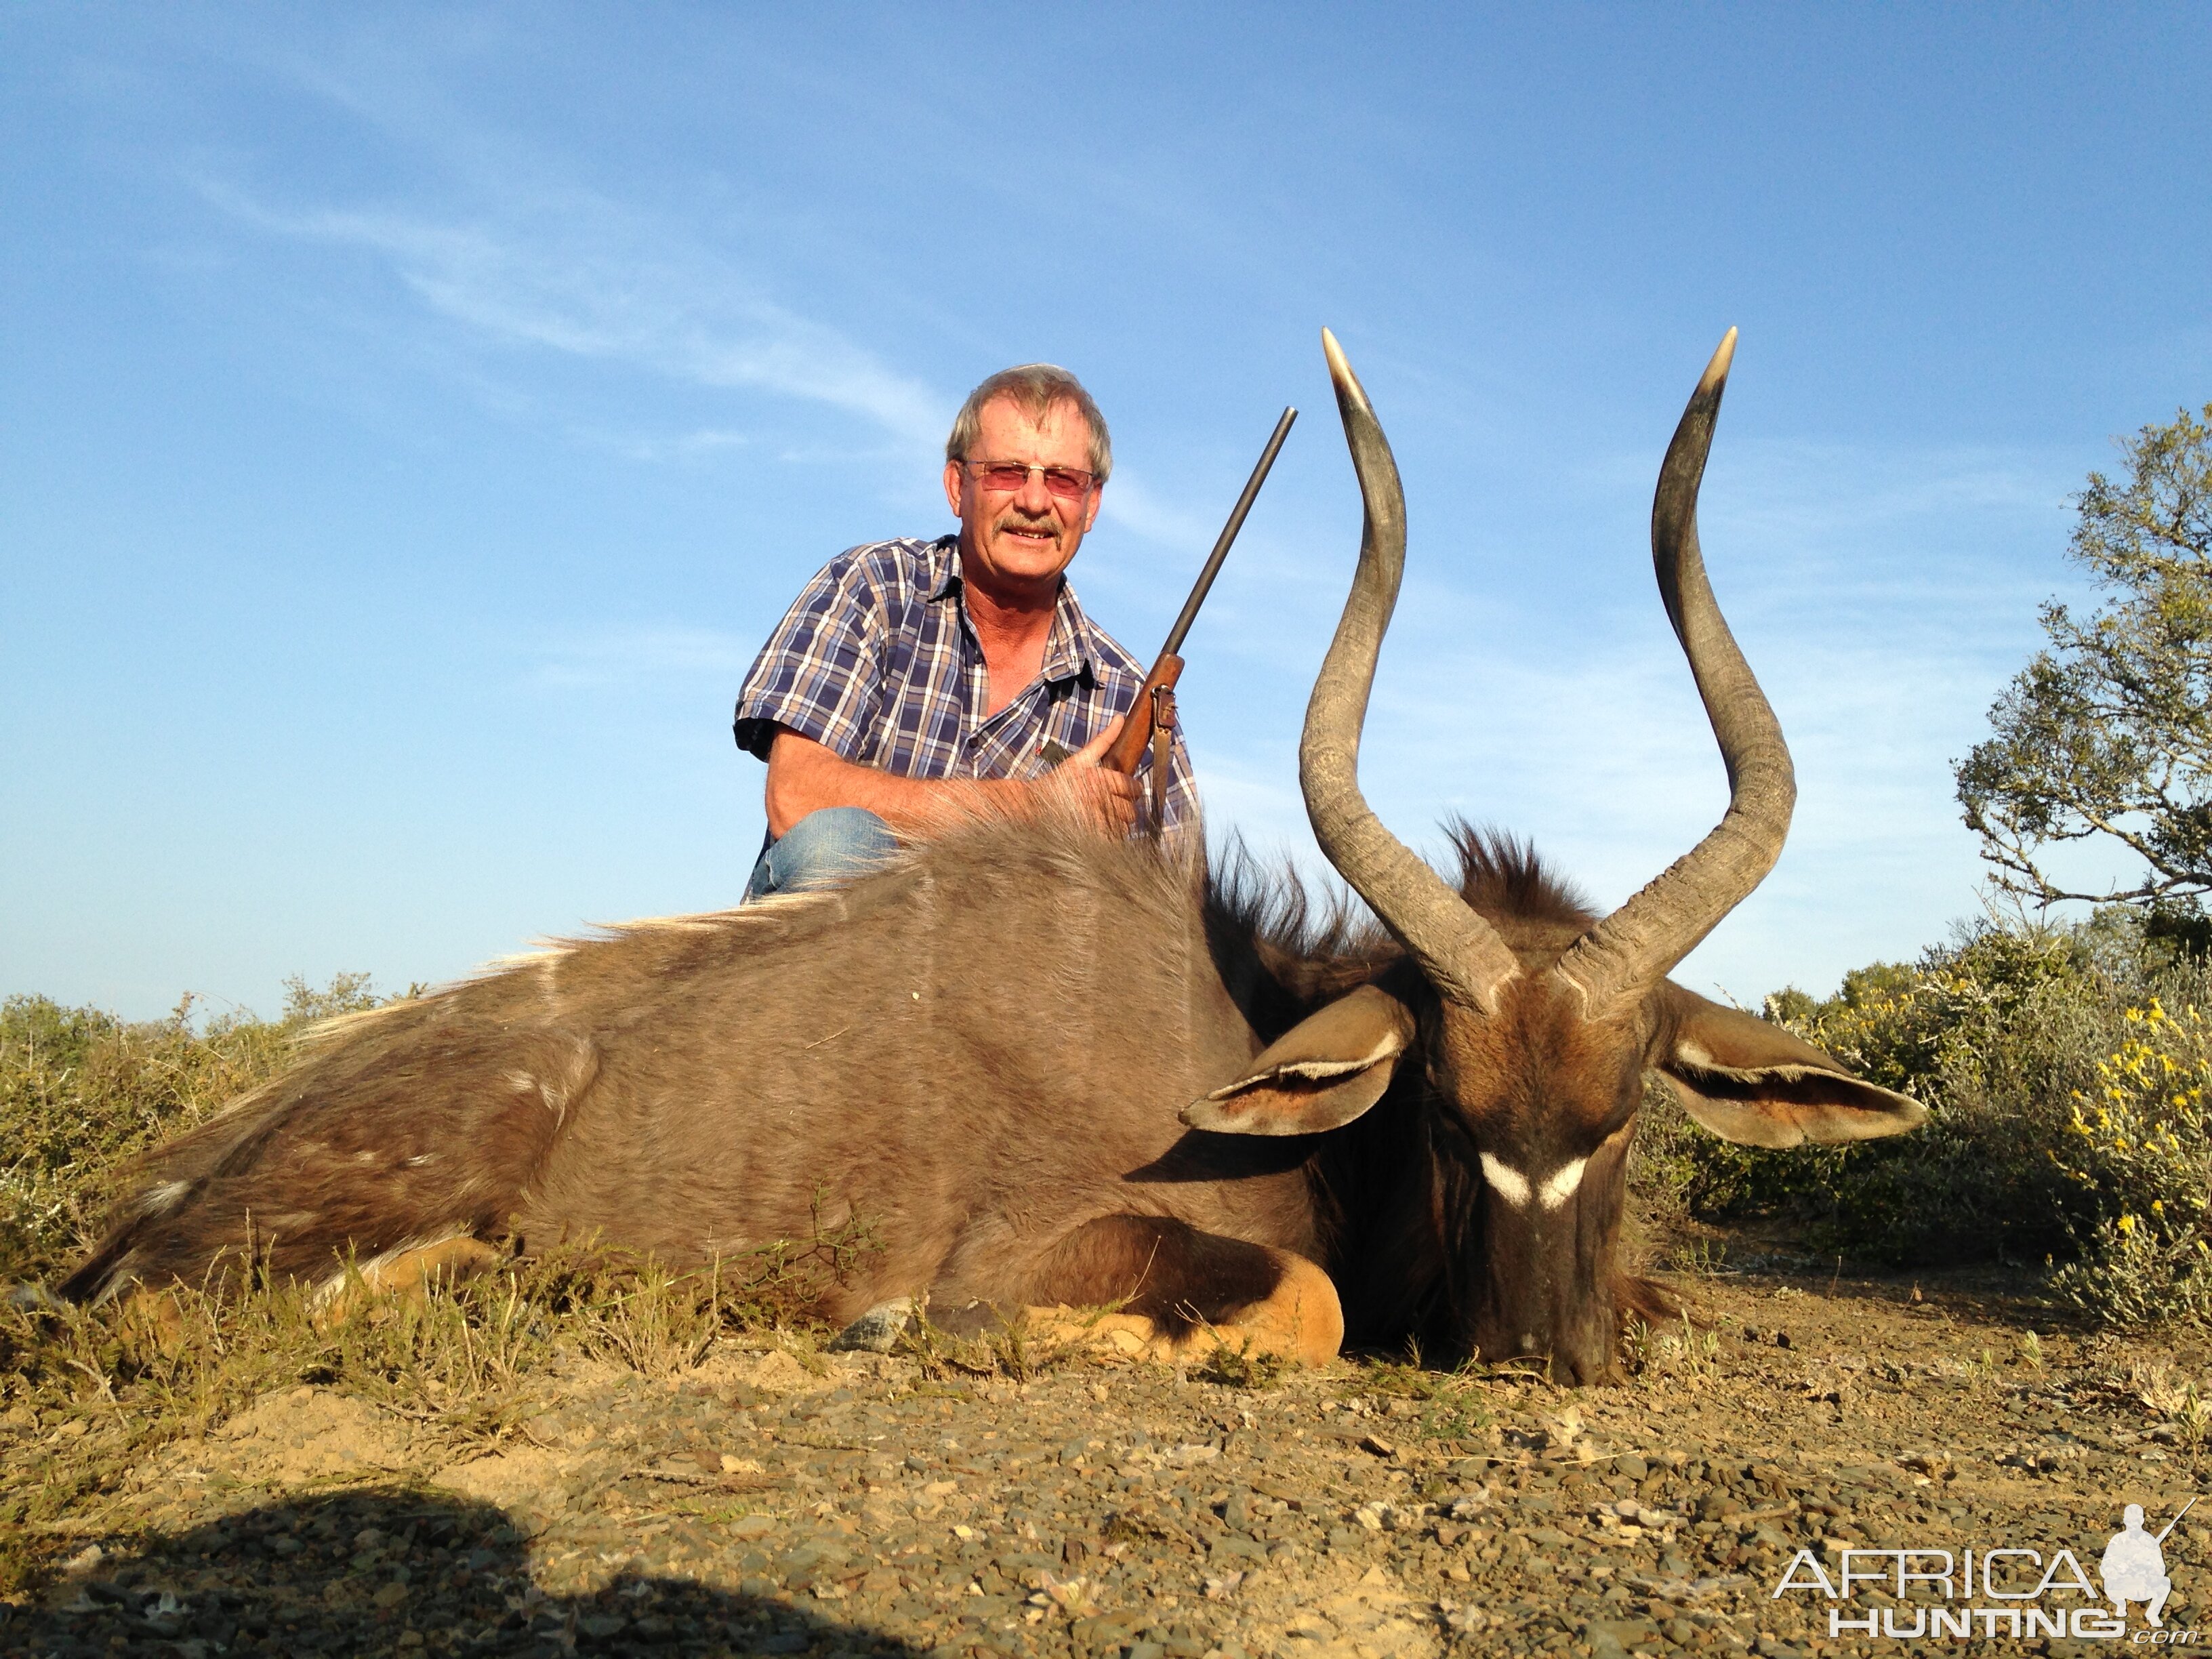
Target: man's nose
1033, 498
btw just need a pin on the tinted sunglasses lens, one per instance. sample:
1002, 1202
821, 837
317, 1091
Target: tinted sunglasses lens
1059, 480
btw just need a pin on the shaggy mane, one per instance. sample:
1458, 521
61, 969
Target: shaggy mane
1501, 877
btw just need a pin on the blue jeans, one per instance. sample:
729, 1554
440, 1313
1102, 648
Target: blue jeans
822, 849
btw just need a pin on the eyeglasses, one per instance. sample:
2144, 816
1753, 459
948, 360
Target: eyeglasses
1070, 483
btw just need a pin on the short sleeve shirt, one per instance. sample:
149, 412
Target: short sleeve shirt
876, 660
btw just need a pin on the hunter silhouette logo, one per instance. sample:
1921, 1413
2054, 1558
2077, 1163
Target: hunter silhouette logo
2135, 1565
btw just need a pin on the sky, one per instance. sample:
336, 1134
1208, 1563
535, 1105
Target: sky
413, 419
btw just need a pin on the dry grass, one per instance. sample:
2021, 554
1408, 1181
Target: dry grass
92, 1392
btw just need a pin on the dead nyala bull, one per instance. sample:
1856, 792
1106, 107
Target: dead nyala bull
1419, 1132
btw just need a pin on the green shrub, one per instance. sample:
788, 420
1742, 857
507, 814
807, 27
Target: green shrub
2001, 1034
2138, 1164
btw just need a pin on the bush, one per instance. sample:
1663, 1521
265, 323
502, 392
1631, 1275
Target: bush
2139, 1167
2067, 1121
1993, 1033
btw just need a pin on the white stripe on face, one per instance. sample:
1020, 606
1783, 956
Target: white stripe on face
1511, 1185
1514, 1187
1561, 1186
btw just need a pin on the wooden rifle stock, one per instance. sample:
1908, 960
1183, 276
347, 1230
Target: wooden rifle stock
1128, 748
1154, 708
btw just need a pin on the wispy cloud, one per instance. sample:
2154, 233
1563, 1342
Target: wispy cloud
1883, 597
573, 274
1131, 505
629, 656
684, 446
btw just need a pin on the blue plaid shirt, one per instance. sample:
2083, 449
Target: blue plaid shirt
877, 662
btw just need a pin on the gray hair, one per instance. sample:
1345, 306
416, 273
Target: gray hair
1035, 389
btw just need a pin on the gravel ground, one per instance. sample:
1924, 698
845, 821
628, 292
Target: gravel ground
788, 1502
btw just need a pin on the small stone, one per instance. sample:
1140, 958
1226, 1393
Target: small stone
1376, 1444
390, 1596
411, 1639
1102, 1634
878, 1330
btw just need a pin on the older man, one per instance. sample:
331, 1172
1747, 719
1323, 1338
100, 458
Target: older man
916, 683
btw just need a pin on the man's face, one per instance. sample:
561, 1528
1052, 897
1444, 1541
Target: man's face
1015, 542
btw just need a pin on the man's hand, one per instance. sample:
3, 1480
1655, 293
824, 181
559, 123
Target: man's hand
802, 777
1092, 787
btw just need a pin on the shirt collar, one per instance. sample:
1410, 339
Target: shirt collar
1069, 652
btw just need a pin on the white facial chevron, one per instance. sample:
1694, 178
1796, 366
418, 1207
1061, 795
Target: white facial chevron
1559, 1186
1513, 1187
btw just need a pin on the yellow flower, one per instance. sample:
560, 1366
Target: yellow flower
2127, 1224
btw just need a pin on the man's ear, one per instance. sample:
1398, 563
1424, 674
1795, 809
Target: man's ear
1748, 1080
1324, 1072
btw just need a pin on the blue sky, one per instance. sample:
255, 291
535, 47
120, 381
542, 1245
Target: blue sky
411, 420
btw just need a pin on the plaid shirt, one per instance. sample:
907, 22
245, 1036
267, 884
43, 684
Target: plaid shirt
877, 662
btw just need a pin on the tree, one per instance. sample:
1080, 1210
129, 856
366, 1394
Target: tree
2107, 734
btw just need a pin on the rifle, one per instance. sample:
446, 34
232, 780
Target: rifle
1151, 717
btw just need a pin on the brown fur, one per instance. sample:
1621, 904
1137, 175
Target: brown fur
979, 1053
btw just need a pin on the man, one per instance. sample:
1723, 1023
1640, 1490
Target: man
913, 684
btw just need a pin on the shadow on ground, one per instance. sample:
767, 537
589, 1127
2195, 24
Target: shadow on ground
367, 1572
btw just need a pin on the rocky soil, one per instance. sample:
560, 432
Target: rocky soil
783, 1501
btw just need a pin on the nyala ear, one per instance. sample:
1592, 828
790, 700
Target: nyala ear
1322, 1073
1748, 1080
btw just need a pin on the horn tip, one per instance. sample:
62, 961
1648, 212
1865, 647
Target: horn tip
1340, 372
1716, 371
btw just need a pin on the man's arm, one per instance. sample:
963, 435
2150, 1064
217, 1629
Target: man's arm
804, 776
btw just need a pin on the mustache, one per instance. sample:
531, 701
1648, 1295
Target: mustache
1017, 520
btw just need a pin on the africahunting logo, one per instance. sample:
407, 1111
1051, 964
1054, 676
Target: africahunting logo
1999, 1592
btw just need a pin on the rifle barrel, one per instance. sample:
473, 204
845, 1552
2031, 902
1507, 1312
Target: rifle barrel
1228, 535
2176, 1522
